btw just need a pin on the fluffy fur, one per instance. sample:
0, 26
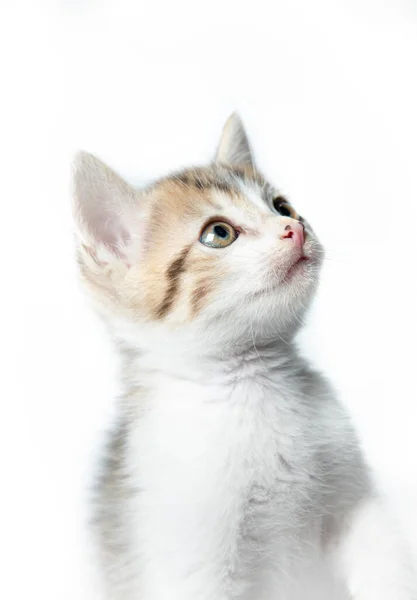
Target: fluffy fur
232, 471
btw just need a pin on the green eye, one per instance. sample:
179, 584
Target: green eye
218, 235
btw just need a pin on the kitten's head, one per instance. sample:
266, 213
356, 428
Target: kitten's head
214, 254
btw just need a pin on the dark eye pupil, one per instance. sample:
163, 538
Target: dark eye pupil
220, 231
282, 208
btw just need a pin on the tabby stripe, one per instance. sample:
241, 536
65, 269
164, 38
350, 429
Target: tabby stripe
200, 292
173, 275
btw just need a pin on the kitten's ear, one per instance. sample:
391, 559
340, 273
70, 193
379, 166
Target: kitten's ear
234, 147
106, 210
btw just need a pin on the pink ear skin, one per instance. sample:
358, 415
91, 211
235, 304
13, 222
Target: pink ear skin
101, 263
90, 252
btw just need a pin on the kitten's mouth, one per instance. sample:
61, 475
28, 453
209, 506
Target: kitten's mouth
295, 268
299, 264
311, 254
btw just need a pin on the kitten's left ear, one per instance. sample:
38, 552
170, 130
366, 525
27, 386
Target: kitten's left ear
234, 147
107, 211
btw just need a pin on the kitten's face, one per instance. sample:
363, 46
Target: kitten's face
214, 251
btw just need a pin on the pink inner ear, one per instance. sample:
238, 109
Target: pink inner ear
112, 234
94, 256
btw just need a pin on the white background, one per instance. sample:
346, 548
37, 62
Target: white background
329, 95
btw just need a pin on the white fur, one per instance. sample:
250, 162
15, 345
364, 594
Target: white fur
372, 557
216, 434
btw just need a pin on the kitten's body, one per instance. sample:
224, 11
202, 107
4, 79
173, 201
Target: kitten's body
253, 476
233, 472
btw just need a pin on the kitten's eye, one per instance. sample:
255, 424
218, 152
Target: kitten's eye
218, 235
284, 208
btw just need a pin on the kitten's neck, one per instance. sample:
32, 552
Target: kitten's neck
221, 367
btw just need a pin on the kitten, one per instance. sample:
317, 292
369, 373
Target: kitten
232, 471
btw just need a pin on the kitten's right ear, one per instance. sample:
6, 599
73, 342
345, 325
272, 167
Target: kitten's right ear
106, 211
234, 147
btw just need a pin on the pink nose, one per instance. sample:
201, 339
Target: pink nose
295, 232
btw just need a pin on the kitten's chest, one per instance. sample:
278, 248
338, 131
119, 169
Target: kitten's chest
198, 438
